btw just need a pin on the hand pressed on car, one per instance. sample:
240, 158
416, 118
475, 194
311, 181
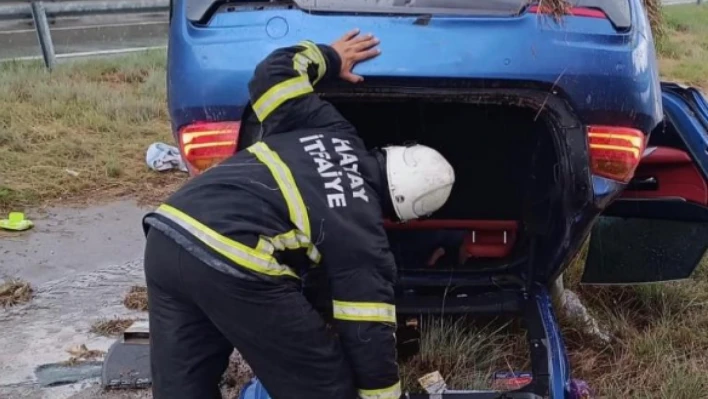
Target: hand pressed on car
352, 49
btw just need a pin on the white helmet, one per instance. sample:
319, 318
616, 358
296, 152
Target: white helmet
419, 180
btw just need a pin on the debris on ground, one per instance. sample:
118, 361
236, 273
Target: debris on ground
555, 8
559, 8
433, 383
464, 352
161, 157
80, 353
236, 376
656, 18
16, 222
111, 327
15, 292
136, 298
574, 309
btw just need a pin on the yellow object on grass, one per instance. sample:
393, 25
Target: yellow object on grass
16, 221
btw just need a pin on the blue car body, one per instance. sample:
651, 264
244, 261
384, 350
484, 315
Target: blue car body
608, 77
594, 67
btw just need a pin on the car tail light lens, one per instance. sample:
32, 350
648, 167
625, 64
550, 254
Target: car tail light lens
615, 152
574, 11
204, 144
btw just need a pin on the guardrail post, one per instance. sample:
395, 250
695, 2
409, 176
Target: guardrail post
44, 35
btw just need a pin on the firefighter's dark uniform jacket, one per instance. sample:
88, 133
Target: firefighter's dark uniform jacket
308, 195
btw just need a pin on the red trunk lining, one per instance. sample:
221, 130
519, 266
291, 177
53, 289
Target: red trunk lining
486, 238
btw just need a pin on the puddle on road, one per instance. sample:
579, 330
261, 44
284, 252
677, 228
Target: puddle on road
71, 241
51, 375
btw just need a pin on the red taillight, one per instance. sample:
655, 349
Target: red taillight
204, 144
574, 11
615, 152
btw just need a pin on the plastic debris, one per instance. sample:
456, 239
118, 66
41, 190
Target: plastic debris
433, 383
16, 221
511, 380
573, 307
162, 157
254, 390
580, 389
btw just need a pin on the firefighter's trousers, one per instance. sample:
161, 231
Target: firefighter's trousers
198, 315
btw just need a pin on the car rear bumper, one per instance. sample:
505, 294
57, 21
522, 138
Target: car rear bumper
602, 73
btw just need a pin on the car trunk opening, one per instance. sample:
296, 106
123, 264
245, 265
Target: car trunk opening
506, 166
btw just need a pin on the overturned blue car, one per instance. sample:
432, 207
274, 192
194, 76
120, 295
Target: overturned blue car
558, 128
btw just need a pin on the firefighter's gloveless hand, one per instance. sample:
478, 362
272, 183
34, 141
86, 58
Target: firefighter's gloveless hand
352, 49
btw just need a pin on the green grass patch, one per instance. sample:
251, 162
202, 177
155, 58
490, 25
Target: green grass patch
683, 49
82, 130
660, 338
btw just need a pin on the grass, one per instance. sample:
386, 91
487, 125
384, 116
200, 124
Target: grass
81, 354
683, 49
660, 339
81, 132
465, 352
111, 327
659, 346
14, 292
136, 298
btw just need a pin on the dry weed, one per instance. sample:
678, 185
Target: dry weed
464, 353
15, 292
236, 376
136, 298
656, 18
80, 353
111, 327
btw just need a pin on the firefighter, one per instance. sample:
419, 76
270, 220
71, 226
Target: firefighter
226, 253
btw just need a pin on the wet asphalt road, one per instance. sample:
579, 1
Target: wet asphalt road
85, 34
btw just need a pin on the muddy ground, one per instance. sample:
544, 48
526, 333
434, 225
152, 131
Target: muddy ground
80, 262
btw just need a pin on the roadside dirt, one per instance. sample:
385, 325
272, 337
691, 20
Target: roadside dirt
81, 262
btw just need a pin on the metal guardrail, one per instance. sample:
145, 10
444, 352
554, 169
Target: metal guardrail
63, 8
39, 11
676, 2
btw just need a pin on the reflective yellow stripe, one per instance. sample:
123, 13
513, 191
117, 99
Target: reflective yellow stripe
364, 311
303, 59
241, 254
314, 254
315, 54
301, 62
280, 93
312, 47
286, 183
293, 239
392, 392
